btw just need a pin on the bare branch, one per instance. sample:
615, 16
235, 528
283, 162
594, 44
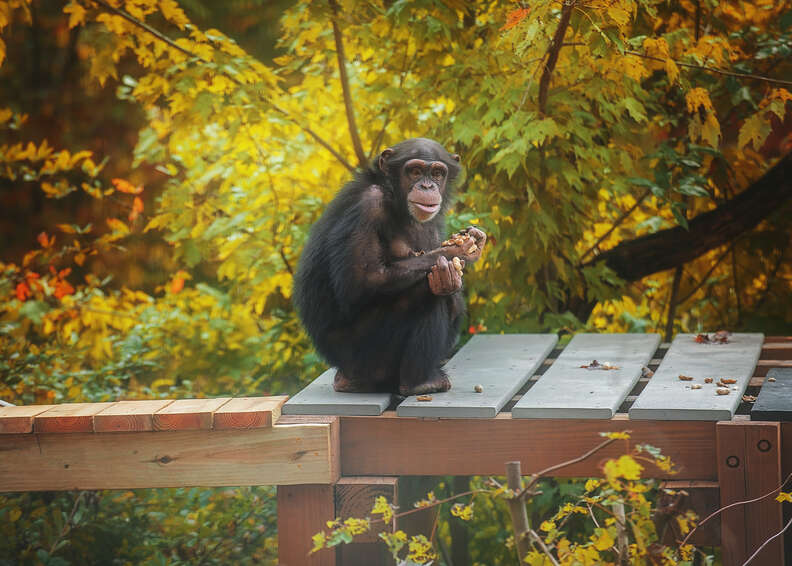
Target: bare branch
626, 214
768, 541
350, 110
730, 505
711, 69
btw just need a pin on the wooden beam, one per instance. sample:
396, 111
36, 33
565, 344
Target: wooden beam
19, 420
249, 412
303, 511
69, 417
281, 455
731, 477
188, 414
354, 497
390, 445
129, 416
763, 474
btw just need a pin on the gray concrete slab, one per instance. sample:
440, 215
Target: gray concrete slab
500, 363
569, 391
666, 397
319, 398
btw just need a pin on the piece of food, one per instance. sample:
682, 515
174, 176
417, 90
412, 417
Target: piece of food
771, 379
748, 398
728, 380
457, 264
696, 386
478, 388
599, 365
685, 377
707, 380
722, 391
424, 398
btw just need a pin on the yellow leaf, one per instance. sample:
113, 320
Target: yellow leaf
602, 539
15, 514
784, 496
754, 131
76, 14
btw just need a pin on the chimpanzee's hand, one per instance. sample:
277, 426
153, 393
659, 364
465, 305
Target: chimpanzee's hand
480, 238
445, 278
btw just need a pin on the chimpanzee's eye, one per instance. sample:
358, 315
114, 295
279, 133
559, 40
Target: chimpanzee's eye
415, 171
438, 173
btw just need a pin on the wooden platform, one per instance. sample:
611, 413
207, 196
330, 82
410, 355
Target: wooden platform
522, 375
162, 443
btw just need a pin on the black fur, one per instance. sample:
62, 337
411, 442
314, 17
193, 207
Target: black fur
370, 313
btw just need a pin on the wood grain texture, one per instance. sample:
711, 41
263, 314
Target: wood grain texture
354, 497
282, 454
763, 474
129, 416
19, 420
776, 350
303, 511
249, 412
188, 414
391, 445
731, 479
69, 417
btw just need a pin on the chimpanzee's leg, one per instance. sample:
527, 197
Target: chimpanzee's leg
428, 344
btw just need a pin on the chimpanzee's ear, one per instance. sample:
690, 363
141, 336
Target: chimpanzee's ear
455, 157
383, 159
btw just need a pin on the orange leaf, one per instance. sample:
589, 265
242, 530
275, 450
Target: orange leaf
514, 18
63, 288
127, 187
22, 291
137, 208
177, 284
44, 240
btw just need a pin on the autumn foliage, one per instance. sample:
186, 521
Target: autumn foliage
158, 262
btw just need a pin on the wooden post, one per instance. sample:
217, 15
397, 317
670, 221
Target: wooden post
303, 511
519, 515
731, 478
354, 497
763, 474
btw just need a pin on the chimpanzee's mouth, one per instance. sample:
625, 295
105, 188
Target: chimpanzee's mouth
426, 207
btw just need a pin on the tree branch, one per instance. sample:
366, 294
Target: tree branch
710, 69
552, 53
635, 259
165, 39
617, 223
350, 110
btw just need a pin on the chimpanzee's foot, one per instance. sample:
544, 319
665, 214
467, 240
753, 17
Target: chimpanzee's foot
343, 384
438, 383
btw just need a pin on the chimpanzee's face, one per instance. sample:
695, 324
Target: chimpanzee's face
423, 184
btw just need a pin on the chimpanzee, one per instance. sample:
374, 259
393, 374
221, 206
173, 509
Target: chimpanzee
377, 292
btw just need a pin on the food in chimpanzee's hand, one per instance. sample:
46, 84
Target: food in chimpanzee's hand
457, 264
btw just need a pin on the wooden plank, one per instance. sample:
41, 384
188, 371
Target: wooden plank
129, 416
501, 364
776, 350
303, 511
188, 414
763, 474
731, 479
319, 398
667, 397
69, 417
19, 419
391, 445
569, 391
701, 497
774, 402
280, 455
249, 412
